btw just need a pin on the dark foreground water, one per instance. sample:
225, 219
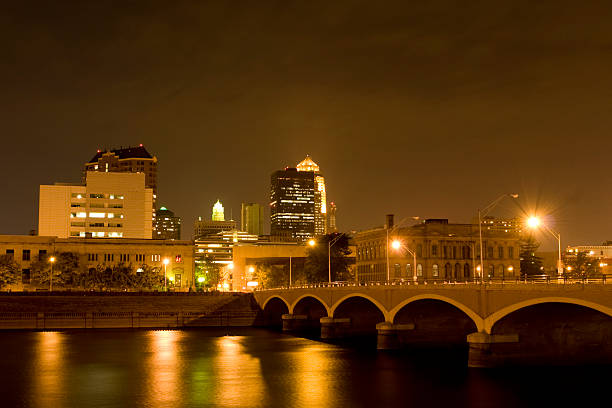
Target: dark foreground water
258, 368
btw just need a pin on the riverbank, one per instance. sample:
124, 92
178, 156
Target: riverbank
89, 310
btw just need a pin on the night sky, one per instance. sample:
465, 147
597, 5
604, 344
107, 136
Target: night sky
429, 110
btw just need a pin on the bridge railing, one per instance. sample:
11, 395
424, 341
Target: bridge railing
492, 281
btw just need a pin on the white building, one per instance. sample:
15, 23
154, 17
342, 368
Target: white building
109, 205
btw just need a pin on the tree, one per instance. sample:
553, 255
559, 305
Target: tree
147, 277
317, 260
9, 270
207, 274
530, 263
582, 266
271, 275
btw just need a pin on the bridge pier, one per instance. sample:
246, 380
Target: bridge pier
388, 338
293, 322
489, 350
334, 328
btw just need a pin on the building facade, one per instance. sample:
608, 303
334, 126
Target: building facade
125, 160
292, 205
109, 205
251, 218
320, 195
166, 225
137, 253
444, 251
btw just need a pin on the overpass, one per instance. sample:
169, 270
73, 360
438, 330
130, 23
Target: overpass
516, 323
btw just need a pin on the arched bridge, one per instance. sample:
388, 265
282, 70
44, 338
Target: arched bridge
503, 324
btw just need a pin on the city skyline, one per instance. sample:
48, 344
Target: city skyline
412, 112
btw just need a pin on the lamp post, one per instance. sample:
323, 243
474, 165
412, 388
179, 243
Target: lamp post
329, 245
166, 262
533, 223
387, 243
396, 244
482, 213
52, 261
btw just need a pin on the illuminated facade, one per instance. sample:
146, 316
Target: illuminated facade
218, 213
444, 251
136, 253
109, 205
292, 205
251, 219
166, 225
320, 195
126, 160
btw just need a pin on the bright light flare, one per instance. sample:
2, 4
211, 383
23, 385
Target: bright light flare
533, 222
166, 261
312, 242
52, 259
396, 244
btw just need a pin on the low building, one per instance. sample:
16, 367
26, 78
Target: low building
601, 254
109, 205
443, 251
92, 252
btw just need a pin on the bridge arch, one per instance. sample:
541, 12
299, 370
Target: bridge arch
490, 321
265, 303
310, 295
380, 307
475, 317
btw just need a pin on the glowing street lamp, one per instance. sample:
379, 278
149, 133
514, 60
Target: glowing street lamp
166, 262
397, 244
534, 222
312, 242
52, 261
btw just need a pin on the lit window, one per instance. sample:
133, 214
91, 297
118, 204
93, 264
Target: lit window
97, 215
81, 215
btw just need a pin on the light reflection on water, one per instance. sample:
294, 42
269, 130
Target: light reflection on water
259, 369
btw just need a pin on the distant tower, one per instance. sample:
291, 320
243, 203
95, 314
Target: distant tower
320, 194
331, 226
252, 218
218, 212
167, 225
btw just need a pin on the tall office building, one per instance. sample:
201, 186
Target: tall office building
206, 228
251, 218
331, 225
166, 225
292, 205
127, 160
109, 205
320, 196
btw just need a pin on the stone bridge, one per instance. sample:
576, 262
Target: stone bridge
519, 323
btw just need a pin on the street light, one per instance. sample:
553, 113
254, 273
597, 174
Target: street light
329, 245
52, 261
534, 222
482, 213
398, 225
166, 262
397, 244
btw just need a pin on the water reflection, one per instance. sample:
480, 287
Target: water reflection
238, 377
163, 368
49, 369
312, 385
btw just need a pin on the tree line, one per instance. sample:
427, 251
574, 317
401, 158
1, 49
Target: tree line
68, 272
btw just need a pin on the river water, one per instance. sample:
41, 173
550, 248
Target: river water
259, 368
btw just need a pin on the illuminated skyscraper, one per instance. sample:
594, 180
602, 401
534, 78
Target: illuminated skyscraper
166, 225
292, 205
218, 212
320, 196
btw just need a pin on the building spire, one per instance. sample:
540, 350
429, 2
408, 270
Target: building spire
218, 212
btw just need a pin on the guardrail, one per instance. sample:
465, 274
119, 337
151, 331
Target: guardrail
117, 320
530, 280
